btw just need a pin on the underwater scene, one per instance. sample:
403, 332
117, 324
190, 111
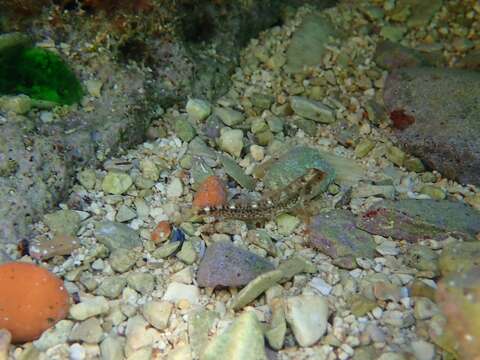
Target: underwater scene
239, 179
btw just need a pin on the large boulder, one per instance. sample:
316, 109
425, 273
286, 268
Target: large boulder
436, 113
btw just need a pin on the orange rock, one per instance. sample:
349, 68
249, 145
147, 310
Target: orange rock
161, 232
31, 300
211, 193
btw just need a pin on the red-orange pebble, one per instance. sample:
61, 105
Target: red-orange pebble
161, 232
31, 300
211, 193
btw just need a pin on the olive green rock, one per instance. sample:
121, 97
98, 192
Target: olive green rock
116, 182
242, 340
116, 235
199, 324
459, 257
255, 288
65, 222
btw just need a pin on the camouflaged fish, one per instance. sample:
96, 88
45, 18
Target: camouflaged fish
295, 194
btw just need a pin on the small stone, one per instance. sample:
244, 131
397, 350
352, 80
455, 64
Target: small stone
242, 340
237, 173
166, 250
149, 169
294, 266
116, 182
89, 331
89, 307
125, 214
183, 276
187, 254
473, 201
184, 129
231, 141
94, 87
321, 286
423, 350
259, 125
122, 260
257, 152
393, 33
414, 164
459, 257
396, 155
54, 336
361, 305
200, 323
287, 224
198, 110
278, 326
175, 188
229, 117
276, 61
311, 109
255, 288
111, 287
307, 316
433, 192
144, 283
275, 124
60, 245
19, 104
157, 313
111, 347
87, 178
116, 235
77, 352
63, 222
177, 292
425, 308
363, 148
368, 190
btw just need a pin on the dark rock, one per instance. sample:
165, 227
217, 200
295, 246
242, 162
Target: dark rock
226, 265
390, 55
437, 116
335, 234
415, 220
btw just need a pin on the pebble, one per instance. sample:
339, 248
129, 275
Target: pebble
19, 104
63, 222
187, 254
321, 286
89, 331
149, 169
111, 347
144, 283
157, 313
434, 192
116, 182
175, 188
166, 250
177, 291
312, 109
425, 308
255, 288
287, 224
257, 152
423, 350
307, 316
184, 129
231, 141
363, 148
125, 214
278, 325
198, 110
111, 287
229, 117
89, 307
54, 336
94, 87
242, 340
87, 178
116, 235
122, 260
77, 352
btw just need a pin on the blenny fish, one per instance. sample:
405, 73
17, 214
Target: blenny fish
295, 194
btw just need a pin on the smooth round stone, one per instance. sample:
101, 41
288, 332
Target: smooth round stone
231, 141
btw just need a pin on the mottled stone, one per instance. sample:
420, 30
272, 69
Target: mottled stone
312, 109
229, 117
197, 109
414, 220
65, 222
335, 234
157, 313
89, 331
89, 307
227, 265
122, 260
116, 235
459, 257
116, 182
199, 324
111, 287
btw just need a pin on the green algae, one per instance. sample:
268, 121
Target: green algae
40, 74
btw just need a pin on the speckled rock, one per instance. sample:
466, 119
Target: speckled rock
312, 109
111, 347
89, 307
459, 257
89, 331
54, 336
64, 222
229, 117
419, 99
116, 182
200, 323
242, 340
227, 265
184, 129
111, 287
122, 260
144, 283
335, 234
197, 109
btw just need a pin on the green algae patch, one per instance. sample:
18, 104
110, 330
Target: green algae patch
40, 74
